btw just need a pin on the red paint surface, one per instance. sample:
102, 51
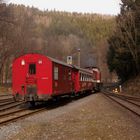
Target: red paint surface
44, 77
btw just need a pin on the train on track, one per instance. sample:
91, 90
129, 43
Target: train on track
36, 77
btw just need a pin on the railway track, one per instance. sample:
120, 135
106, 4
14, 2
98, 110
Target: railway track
125, 102
5, 95
12, 115
124, 96
7, 103
15, 115
12, 111
10, 106
6, 100
20, 112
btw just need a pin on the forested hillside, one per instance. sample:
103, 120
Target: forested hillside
124, 50
53, 33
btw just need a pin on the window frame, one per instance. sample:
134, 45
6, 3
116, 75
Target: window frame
56, 73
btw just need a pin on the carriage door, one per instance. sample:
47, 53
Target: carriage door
31, 75
31, 87
75, 80
32, 69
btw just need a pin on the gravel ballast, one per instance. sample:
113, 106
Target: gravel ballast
90, 118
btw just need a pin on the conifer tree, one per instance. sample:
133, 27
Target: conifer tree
125, 43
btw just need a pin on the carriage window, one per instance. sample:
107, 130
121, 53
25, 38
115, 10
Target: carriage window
55, 73
83, 77
69, 74
80, 76
32, 68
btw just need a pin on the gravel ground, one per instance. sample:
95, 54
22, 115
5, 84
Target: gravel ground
90, 118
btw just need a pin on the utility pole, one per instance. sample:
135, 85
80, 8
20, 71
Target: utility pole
79, 57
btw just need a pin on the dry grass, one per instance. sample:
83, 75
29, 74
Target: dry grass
132, 86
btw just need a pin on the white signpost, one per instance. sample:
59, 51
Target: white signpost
69, 60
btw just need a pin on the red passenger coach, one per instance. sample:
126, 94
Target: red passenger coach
30, 74
36, 77
85, 79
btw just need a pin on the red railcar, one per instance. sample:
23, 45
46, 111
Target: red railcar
84, 80
36, 77
97, 79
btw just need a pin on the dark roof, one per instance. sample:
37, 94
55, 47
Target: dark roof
83, 70
59, 62
71, 66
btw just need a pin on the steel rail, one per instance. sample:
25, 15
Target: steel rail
15, 118
125, 99
6, 103
3, 95
11, 112
121, 104
12, 106
120, 95
6, 100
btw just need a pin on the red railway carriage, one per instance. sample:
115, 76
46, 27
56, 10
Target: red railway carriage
37, 77
97, 79
84, 79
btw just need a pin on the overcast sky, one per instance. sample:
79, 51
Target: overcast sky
89, 6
